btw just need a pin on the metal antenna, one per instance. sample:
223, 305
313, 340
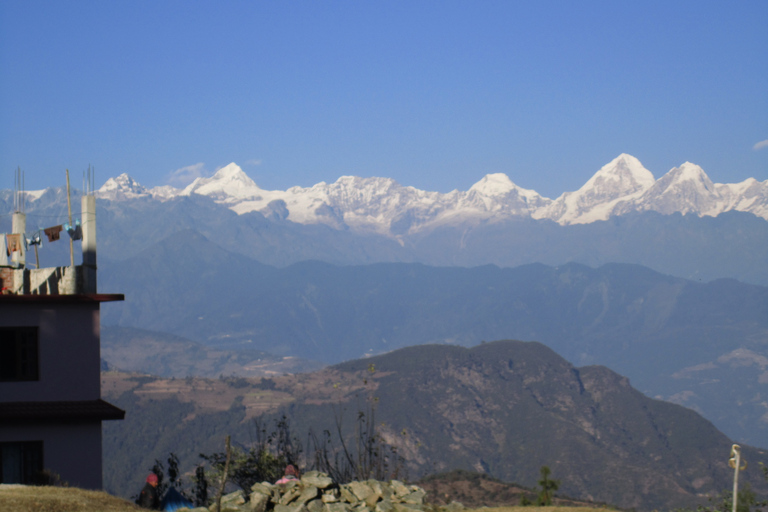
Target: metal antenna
89, 179
19, 197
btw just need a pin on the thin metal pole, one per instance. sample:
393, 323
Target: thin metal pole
71, 243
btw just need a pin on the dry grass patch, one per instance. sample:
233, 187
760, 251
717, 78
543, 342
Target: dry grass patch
216, 395
114, 384
60, 499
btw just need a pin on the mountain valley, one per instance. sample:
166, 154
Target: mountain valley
663, 281
503, 408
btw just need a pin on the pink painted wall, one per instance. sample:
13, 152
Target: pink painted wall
71, 450
69, 352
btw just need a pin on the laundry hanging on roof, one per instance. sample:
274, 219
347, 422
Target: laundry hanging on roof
75, 232
53, 232
3, 252
35, 240
14, 243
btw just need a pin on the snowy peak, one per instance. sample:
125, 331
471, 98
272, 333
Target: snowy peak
624, 175
232, 171
620, 180
688, 175
496, 196
122, 187
684, 189
382, 205
377, 204
493, 185
230, 184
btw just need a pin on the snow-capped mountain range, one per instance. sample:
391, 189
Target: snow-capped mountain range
384, 206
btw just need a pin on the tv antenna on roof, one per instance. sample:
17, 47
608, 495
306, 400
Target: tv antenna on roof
19, 196
89, 180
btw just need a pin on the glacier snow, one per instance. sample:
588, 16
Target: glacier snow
381, 205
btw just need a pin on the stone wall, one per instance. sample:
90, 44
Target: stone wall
316, 492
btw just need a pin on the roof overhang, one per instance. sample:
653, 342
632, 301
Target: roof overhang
74, 411
62, 299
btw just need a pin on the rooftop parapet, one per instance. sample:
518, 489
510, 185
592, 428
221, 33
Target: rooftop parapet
19, 279
43, 281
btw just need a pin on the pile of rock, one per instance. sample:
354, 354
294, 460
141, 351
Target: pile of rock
317, 492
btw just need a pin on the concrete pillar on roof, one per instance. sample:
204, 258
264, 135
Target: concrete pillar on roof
19, 225
89, 243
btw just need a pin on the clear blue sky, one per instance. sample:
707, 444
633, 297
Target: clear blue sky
432, 94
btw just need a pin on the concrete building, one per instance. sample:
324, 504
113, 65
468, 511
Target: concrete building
50, 387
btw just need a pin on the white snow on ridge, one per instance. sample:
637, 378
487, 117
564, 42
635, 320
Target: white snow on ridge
688, 189
164, 192
497, 184
229, 185
748, 196
382, 205
623, 179
684, 189
34, 195
122, 187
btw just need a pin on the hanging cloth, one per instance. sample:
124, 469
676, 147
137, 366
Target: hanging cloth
14, 243
3, 252
36, 239
75, 232
53, 232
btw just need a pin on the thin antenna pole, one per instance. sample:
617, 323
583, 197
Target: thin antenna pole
16, 189
88, 181
71, 243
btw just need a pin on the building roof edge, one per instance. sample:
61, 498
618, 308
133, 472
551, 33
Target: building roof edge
62, 298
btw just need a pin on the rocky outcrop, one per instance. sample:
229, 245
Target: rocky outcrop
317, 492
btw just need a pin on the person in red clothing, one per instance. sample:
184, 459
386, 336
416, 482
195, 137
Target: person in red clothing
291, 474
148, 497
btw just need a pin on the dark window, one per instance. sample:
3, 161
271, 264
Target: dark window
21, 463
18, 354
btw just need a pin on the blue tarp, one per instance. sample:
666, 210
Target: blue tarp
173, 501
